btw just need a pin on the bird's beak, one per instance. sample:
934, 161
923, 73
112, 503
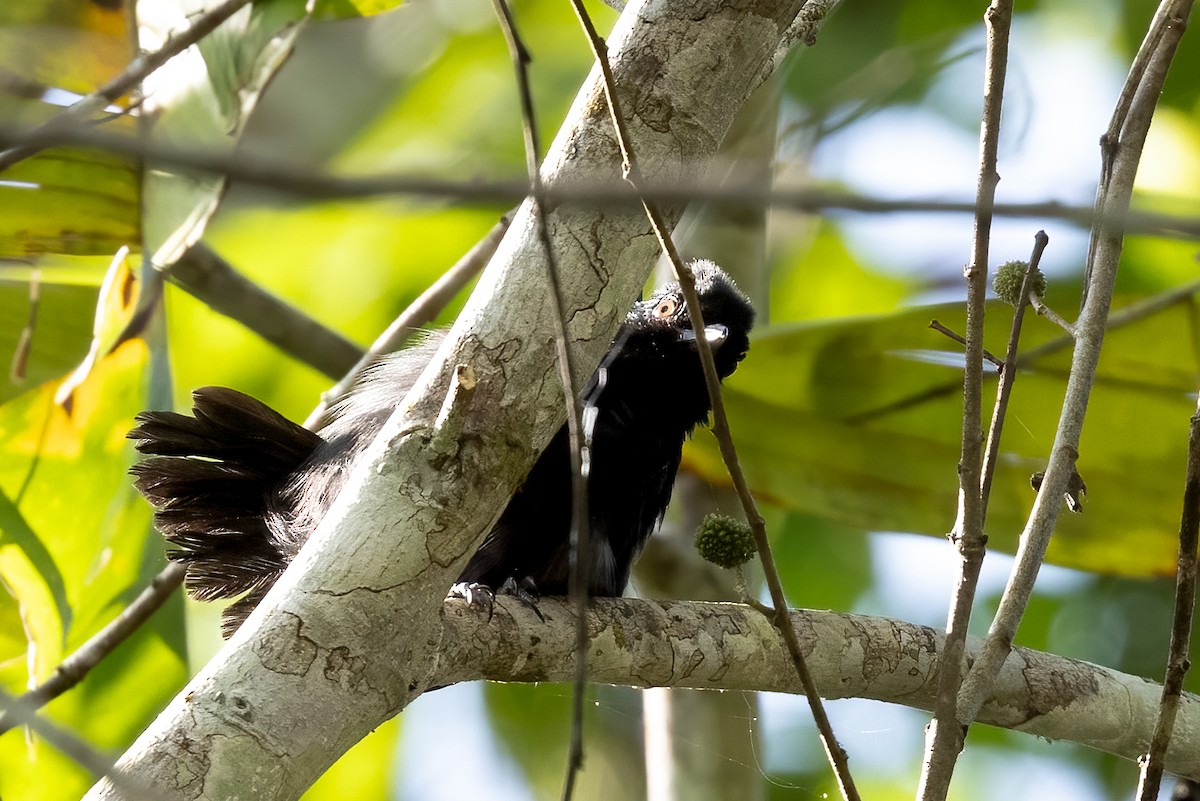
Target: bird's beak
715, 334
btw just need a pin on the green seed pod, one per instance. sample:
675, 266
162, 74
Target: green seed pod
1007, 283
724, 541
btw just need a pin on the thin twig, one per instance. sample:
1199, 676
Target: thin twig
833, 749
579, 579
1181, 626
994, 360
420, 312
1090, 328
101, 644
302, 181
1008, 374
202, 25
944, 736
1045, 311
74, 747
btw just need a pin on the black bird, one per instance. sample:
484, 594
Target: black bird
238, 488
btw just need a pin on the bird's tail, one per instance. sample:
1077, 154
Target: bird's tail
209, 478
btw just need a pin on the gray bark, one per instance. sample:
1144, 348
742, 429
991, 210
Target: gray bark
724, 646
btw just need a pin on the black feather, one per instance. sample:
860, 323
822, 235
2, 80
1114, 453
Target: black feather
645, 399
238, 489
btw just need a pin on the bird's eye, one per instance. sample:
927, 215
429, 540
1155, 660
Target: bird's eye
665, 308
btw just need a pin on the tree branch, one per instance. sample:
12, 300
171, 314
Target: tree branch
302, 181
1008, 372
725, 646
421, 311
203, 274
944, 737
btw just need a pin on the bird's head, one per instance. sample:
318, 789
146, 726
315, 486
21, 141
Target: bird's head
660, 326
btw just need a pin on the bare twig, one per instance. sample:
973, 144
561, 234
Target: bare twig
673, 719
834, 751
1181, 627
1045, 311
944, 736
146, 63
209, 278
994, 360
301, 180
99, 645
1090, 329
1008, 374
421, 311
1111, 138
72, 746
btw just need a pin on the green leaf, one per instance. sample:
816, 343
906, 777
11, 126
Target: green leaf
63, 212
43, 339
67, 463
64, 200
68, 201
72, 45
202, 99
15, 532
858, 421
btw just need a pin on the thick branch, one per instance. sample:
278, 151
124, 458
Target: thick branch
730, 646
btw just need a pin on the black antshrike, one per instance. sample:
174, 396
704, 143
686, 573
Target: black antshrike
237, 488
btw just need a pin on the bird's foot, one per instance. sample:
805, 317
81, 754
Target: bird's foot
477, 596
525, 591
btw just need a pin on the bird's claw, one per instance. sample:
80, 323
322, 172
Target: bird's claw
525, 591
481, 596
477, 596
